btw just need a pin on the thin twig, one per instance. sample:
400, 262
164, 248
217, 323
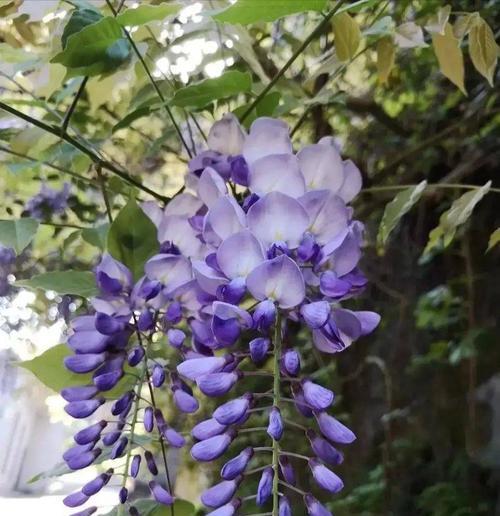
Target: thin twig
72, 107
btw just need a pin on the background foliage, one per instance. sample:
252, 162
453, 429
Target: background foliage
121, 101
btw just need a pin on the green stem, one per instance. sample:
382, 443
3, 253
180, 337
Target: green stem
72, 107
324, 22
390, 188
276, 403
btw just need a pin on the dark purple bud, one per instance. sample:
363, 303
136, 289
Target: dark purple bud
174, 313
333, 429
290, 362
134, 467
265, 487
258, 349
111, 438
150, 289
82, 409
324, 450
150, 463
94, 486
158, 376
122, 403
217, 384
123, 495
86, 512
133, 511
90, 434
237, 465
75, 499
227, 510
317, 396
331, 286
160, 419
300, 403
119, 448
196, 367
76, 451
233, 410
239, 170
249, 201
176, 337
81, 393
264, 315
107, 325
284, 507
135, 356
83, 460
148, 419
275, 427
146, 321
160, 494
109, 374
308, 249
316, 314
84, 363
314, 508
220, 494
173, 437
325, 478
287, 470
185, 402
206, 429
212, 448
232, 292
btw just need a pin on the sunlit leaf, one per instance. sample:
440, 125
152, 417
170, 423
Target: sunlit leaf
97, 48
386, 53
464, 24
483, 49
396, 209
200, 94
437, 23
494, 239
77, 283
347, 36
80, 18
132, 238
450, 57
253, 11
383, 27
17, 233
409, 35
147, 13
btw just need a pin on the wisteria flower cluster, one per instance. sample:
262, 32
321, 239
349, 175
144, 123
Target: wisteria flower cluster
262, 239
48, 202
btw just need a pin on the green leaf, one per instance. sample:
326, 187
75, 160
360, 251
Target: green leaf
494, 239
80, 18
461, 209
396, 209
132, 238
450, 57
253, 11
17, 233
200, 94
152, 508
96, 236
266, 107
386, 53
76, 283
483, 49
347, 36
49, 369
147, 13
96, 49
134, 115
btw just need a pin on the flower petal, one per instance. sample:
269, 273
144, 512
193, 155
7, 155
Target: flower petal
239, 254
211, 187
226, 136
267, 136
321, 167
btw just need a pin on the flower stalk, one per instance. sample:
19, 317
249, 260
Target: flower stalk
276, 402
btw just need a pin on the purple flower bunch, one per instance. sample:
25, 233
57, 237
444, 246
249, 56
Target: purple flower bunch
7, 259
112, 343
48, 202
271, 242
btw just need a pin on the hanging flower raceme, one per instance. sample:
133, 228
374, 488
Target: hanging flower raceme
112, 348
284, 249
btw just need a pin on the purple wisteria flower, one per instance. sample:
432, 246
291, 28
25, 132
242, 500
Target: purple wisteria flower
48, 202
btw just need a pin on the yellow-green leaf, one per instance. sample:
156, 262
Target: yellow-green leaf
483, 49
464, 24
409, 35
450, 57
437, 23
347, 36
386, 53
146, 13
494, 239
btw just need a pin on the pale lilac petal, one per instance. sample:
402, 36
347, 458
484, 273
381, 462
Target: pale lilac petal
227, 311
347, 256
153, 211
352, 181
277, 217
322, 167
239, 254
183, 204
349, 326
328, 215
315, 314
267, 136
211, 187
177, 230
208, 279
278, 279
276, 173
227, 136
368, 320
171, 270
196, 367
225, 218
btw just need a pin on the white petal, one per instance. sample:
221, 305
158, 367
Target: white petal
321, 167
